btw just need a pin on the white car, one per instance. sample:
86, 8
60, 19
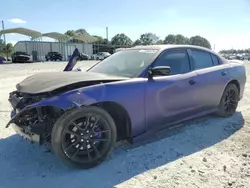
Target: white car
100, 55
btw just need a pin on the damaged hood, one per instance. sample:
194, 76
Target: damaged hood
46, 82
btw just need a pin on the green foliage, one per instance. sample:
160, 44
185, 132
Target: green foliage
75, 33
148, 39
200, 41
145, 39
170, 39
137, 42
6, 50
121, 40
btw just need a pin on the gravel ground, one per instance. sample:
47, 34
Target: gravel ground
208, 152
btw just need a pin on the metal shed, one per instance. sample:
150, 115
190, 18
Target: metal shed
34, 36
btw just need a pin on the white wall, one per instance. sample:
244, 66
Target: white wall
44, 47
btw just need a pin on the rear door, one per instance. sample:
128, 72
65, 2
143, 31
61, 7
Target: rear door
211, 78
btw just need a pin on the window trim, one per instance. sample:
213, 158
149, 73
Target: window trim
169, 50
218, 59
192, 58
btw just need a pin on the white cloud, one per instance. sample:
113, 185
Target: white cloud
17, 21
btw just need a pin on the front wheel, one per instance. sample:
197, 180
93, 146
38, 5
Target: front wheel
229, 101
84, 137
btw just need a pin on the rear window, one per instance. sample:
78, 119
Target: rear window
215, 59
201, 59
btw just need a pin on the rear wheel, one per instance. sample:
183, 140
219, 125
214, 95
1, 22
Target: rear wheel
229, 101
84, 138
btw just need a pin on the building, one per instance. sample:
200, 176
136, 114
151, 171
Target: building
38, 49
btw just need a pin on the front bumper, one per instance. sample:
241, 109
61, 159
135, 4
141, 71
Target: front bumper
26, 133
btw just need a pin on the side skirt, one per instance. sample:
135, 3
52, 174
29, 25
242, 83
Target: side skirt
169, 126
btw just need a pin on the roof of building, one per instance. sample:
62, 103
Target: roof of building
22, 31
85, 38
56, 35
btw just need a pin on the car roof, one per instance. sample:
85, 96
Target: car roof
162, 47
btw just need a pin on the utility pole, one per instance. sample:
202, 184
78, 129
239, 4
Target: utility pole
4, 33
107, 34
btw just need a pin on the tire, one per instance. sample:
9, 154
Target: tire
228, 105
80, 140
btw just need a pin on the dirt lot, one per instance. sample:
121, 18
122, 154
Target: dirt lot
209, 152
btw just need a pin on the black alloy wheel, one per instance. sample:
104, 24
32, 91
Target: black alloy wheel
84, 138
229, 101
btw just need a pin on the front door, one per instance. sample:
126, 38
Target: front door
171, 98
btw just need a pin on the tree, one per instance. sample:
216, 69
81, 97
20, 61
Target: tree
200, 41
176, 39
148, 38
99, 40
121, 39
137, 42
180, 39
8, 49
73, 33
160, 42
170, 39
70, 33
81, 32
1, 46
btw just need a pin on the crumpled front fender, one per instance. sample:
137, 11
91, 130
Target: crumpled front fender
72, 99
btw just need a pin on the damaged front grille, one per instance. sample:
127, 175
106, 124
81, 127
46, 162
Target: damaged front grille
20, 100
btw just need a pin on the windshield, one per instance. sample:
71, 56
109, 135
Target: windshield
21, 53
129, 63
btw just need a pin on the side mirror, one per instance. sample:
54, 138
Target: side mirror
159, 71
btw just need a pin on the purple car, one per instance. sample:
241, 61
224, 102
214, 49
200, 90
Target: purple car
127, 96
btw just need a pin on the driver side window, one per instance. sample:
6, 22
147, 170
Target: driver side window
176, 59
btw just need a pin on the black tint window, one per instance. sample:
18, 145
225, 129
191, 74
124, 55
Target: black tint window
177, 60
201, 59
215, 59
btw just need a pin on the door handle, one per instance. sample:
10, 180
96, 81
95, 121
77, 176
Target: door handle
192, 82
223, 73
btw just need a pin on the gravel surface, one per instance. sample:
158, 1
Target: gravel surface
208, 152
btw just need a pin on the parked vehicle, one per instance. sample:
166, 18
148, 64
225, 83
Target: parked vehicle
128, 96
53, 56
18, 57
83, 56
100, 55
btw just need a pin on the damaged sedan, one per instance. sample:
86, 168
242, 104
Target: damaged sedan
127, 96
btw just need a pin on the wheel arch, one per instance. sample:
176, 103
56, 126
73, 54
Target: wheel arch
120, 116
235, 82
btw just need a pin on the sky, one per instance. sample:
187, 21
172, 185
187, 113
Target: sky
225, 23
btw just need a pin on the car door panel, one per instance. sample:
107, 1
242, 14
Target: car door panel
169, 99
210, 83
173, 97
211, 78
